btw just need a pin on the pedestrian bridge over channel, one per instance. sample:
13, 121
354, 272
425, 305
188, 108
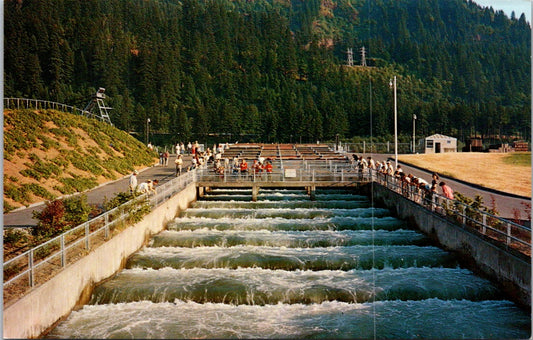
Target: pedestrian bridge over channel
307, 178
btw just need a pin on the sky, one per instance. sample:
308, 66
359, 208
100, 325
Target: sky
508, 6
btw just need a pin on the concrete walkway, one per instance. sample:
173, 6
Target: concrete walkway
506, 204
24, 217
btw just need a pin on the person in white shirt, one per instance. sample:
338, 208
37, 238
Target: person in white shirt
148, 187
133, 182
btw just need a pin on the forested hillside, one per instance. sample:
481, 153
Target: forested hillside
272, 70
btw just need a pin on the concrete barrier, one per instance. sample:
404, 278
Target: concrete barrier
510, 270
48, 303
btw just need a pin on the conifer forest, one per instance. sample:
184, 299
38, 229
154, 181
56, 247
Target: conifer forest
276, 70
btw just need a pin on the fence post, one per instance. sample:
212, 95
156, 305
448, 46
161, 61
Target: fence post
63, 257
106, 223
464, 214
87, 236
508, 233
484, 224
30, 264
342, 175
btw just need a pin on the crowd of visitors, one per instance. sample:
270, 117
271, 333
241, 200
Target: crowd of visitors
416, 187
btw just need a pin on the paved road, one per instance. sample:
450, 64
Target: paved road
505, 204
24, 217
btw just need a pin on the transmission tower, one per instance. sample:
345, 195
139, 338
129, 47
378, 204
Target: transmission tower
350, 57
97, 100
363, 56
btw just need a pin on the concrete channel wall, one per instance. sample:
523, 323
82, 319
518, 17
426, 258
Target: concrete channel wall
511, 271
48, 303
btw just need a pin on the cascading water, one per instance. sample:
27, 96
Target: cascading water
288, 267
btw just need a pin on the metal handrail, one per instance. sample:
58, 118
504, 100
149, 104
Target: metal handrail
28, 103
342, 174
164, 192
337, 173
463, 213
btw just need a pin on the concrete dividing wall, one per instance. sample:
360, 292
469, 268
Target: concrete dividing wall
33, 314
511, 271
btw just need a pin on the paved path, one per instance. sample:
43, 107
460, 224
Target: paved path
505, 203
24, 217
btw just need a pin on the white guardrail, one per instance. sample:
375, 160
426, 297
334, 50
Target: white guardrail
27, 103
36, 265
510, 233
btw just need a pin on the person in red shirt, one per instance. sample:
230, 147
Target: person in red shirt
268, 169
446, 190
244, 166
257, 167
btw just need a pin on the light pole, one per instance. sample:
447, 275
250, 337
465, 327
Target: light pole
414, 143
392, 84
147, 130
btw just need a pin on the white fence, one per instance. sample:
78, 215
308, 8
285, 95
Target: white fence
26, 103
38, 264
511, 234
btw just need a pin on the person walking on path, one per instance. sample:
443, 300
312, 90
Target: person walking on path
179, 165
165, 158
133, 182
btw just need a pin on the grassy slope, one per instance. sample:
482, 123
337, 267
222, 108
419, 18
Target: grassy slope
508, 172
50, 153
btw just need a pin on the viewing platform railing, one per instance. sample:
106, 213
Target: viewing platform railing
507, 232
37, 104
314, 174
40, 263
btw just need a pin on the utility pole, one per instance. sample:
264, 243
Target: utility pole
393, 85
414, 143
147, 130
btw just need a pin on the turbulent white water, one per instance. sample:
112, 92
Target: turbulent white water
288, 267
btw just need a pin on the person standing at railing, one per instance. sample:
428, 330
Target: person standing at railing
268, 169
257, 168
446, 190
244, 167
236, 166
362, 167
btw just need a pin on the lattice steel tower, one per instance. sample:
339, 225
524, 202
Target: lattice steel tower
363, 56
350, 57
97, 100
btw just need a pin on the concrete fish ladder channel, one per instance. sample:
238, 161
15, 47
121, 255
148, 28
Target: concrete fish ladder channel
251, 270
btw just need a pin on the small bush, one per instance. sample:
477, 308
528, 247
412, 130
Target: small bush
39, 191
51, 220
15, 236
17, 194
8, 207
119, 199
76, 210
